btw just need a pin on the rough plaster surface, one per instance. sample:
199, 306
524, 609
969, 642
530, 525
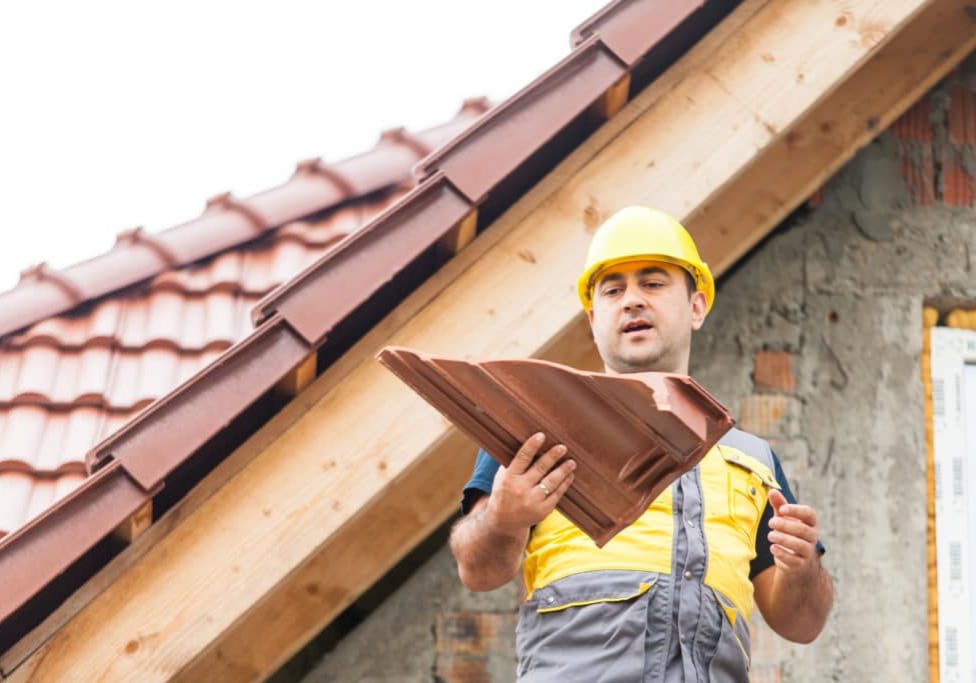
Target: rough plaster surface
841, 287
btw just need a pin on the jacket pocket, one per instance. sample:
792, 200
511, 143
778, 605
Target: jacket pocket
749, 483
588, 627
732, 659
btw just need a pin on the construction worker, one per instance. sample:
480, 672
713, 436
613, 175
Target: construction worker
667, 599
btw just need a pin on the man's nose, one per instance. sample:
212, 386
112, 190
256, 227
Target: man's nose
632, 299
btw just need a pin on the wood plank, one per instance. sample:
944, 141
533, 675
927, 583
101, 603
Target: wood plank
613, 100
129, 530
206, 598
460, 235
930, 316
302, 376
732, 221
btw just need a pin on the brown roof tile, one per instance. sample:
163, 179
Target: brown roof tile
474, 162
614, 24
69, 381
630, 436
225, 223
366, 261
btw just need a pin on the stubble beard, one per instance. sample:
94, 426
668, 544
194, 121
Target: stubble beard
644, 359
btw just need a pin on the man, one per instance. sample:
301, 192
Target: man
668, 599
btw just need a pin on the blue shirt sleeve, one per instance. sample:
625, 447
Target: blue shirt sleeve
485, 468
764, 557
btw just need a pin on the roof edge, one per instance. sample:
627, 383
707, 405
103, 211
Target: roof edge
226, 222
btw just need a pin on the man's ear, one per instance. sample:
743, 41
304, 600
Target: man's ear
589, 315
698, 310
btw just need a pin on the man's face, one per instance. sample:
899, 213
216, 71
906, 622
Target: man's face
643, 316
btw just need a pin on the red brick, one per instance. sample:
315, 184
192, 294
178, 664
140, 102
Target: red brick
769, 415
773, 371
962, 115
470, 646
957, 183
918, 169
916, 123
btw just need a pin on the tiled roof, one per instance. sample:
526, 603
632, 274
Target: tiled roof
68, 382
479, 174
226, 223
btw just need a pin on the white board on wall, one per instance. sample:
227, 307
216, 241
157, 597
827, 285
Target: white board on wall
954, 423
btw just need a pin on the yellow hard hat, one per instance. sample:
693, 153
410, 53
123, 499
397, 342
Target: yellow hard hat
638, 233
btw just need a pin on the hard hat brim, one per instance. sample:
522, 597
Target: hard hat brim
704, 281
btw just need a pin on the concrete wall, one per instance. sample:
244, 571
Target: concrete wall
814, 342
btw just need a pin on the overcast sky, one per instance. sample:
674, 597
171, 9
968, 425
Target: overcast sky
116, 114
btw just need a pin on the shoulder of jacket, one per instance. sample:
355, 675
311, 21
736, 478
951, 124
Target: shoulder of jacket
752, 446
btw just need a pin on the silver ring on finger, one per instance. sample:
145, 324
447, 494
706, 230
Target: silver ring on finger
545, 489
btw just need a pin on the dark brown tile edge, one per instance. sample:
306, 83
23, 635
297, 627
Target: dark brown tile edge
167, 432
359, 265
38, 552
479, 158
630, 435
630, 28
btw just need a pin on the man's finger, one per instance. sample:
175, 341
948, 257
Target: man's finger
526, 453
554, 479
547, 461
800, 546
804, 513
777, 500
786, 559
794, 527
560, 491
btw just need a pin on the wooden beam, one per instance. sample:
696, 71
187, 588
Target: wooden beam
736, 217
129, 530
612, 101
335, 500
299, 378
460, 235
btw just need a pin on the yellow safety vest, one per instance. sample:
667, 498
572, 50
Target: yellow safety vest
735, 487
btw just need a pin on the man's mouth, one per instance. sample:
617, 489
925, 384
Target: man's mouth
635, 326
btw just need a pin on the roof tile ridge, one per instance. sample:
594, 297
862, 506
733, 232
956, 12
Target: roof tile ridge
225, 201
316, 167
401, 137
138, 235
41, 272
83, 400
67, 467
33, 305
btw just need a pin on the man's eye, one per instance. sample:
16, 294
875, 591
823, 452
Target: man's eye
652, 284
610, 291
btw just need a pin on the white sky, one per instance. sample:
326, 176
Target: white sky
115, 114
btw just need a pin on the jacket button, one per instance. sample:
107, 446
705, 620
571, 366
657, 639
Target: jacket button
688, 574
752, 490
550, 600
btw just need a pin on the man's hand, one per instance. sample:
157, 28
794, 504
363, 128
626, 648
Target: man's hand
796, 593
525, 492
489, 541
793, 536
